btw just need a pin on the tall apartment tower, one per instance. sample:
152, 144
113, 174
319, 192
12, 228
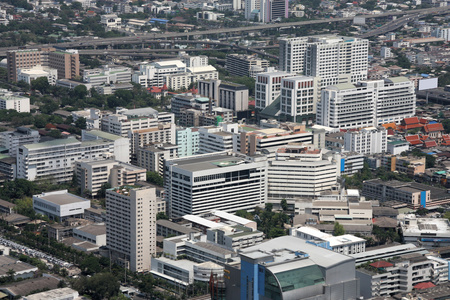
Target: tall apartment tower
268, 87
131, 226
332, 58
66, 62
250, 5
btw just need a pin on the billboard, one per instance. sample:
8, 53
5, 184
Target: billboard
426, 84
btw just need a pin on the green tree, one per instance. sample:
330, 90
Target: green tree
55, 133
102, 191
80, 91
90, 265
80, 123
284, 205
155, 178
338, 229
161, 216
40, 84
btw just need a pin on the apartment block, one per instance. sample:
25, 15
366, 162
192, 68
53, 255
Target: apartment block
401, 275
56, 159
92, 174
367, 104
245, 65
368, 140
189, 100
234, 182
22, 59
191, 117
299, 171
188, 141
131, 226
11, 140
332, 58
121, 145
67, 62
9, 100
216, 138
268, 87
233, 96
162, 133
153, 156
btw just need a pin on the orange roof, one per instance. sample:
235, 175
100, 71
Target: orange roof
429, 144
446, 137
390, 125
433, 127
413, 139
381, 264
424, 285
410, 121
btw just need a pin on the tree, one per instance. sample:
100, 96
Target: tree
90, 265
155, 178
283, 204
80, 91
102, 191
11, 274
421, 211
338, 229
80, 123
161, 216
40, 84
55, 133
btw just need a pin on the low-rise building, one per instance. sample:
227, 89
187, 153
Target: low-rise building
11, 140
95, 233
235, 237
366, 141
153, 156
344, 244
429, 232
28, 75
9, 100
60, 205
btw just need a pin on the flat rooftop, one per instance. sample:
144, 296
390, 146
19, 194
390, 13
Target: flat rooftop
207, 162
61, 199
94, 229
7, 263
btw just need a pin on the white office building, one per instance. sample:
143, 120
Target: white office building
131, 226
224, 181
268, 87
121, 145
28, 75
8, 100
367, 104
107, 75
300, 171
154, 74
345, 244
60, 205
332, 58
111, 21
368, 140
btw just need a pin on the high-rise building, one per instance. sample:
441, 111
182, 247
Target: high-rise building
67, 62
332, 58
250, 6
187, 140
367, 104
298, 97
268, 87
217, 138
152, 157
300, 171
269, 10
224, 181
131, 226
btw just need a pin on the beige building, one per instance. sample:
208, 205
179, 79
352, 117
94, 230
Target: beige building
92, 174
66, 62
161, 133
131, 226
153, 157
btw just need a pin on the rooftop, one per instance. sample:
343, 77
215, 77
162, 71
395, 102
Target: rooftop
207, 162
103, 135
53, 143
26, 286
60, 198
94, 229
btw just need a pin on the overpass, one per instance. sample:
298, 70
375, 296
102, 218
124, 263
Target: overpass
145, 38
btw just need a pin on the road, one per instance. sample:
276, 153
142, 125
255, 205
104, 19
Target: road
172, 35
33, 253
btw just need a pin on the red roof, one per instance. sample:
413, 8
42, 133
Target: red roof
446, 137
433, 127
381, 264
429, 144
413, 139
164, 88
253, 102
391, 132
410, 121
154, 89
423, 121
424, 285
